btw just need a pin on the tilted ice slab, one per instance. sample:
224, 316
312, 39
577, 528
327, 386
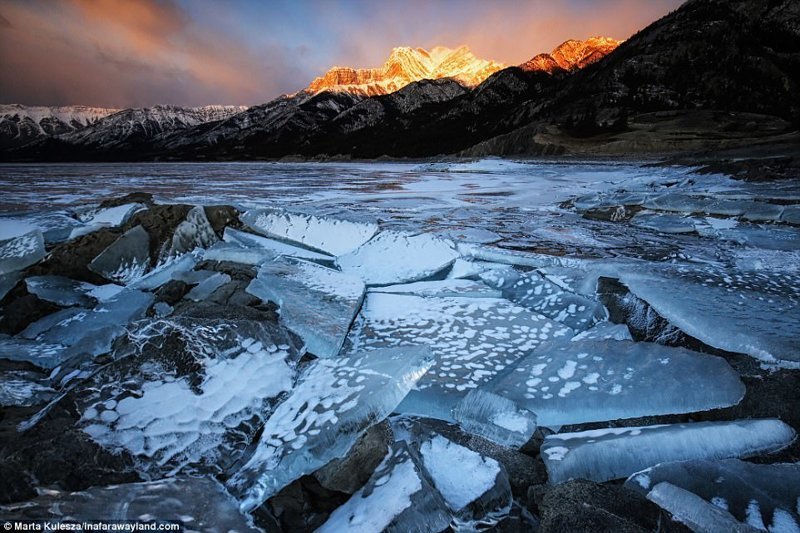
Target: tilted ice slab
329, 235
126, 259
316, 303
333, 403
664, 223
21, 252
614, 453
763, 496
104, 218
462, 268
495, 418
248, 240
394, 257
593, 381
697, 514
199, 504
40, 354
477, 500
206, 288
743, 312
19, 388
193, 232
166, 271
398, 497
91, 331
236, 253
60, 290
445, 288
472, 340
192, 393
8, 282
533, 291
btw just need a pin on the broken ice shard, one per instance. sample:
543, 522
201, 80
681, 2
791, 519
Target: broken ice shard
329, 235
91, 330
333, 403
697, 514
199, 504
316, 303
394, 257
477, 500
21, 252
190, 393
495, 418
598, 380
398, 497
472, 339
8, 282
193, 232
448, 287
753, 313
533, 291
605, 331
248, 240
165, 272
762, 495
236, 253
206, 288
614, 453
61, 291
126, 259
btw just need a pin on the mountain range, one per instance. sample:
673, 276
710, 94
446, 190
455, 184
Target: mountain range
712, 75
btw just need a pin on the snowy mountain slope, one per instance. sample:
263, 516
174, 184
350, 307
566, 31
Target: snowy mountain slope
21, 124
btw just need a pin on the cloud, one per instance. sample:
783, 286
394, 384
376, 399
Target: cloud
121, 53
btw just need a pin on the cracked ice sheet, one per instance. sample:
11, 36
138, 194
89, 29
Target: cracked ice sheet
199, 504
760, 494
614, 453
172, 415
60, 290
533, 291
398, 497
594, 381
316, 303
329, 235
472, 340
393, 257
21, 252
755, 313
332, 404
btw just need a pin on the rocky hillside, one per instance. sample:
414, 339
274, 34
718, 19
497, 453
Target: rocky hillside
572, 55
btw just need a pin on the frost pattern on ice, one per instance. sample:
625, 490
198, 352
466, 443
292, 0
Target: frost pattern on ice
333, 403
60, 290
316, 303
593, 381
200, 504
472, 339
192, 393
614, 453
495, 418
446, 288
394, 257
21, 252
332, 236
193, 232
398, 497
40, 354
19, 388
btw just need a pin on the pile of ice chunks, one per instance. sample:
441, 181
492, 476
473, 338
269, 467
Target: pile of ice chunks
229, 364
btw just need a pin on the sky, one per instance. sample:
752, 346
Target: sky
132, 53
